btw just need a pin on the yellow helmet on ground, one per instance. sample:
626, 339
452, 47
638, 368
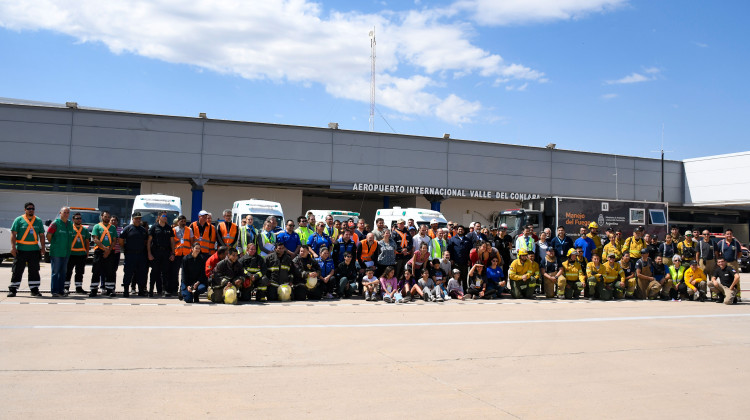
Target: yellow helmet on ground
523, 251
311, 282
593, 225
230, 295
285, 292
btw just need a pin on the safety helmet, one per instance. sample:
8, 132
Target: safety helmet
593, 225
523, 251
230, 295
285, 292
688, 233
311, 282
572, 251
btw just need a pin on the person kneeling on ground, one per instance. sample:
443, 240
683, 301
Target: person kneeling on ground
523, 275
695, 282
571, 280
724, 281
595, 276
389, 285
254, 267
614, 276
193, 270
307, 284
346, 275
371, 284
227, 274
455, 290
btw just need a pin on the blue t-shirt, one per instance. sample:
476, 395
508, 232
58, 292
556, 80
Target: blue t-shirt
316, 241
493, 276
325, 266
290, 240
588, 246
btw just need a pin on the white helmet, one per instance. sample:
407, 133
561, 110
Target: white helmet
433, 222
285, 292
230, 295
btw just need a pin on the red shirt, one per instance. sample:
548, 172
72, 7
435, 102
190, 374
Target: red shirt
212, 262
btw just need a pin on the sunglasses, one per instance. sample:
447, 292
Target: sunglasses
76, 218
30, 208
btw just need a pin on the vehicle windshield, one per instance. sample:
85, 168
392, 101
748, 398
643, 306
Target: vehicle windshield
259, 219
89, 218
149, 216
513, 222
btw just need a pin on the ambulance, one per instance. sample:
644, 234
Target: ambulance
151, 205
420, 216
260, 210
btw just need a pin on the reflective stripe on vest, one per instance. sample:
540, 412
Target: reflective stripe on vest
227, 237
78, 239
367, 253
332, 233
403, 238
208, 244
267, 238
105, 234
677, 275
437, 245
186, 243
29, 227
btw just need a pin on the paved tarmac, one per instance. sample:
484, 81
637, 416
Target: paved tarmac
78, 357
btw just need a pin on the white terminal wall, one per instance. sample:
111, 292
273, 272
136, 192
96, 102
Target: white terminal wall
718, 180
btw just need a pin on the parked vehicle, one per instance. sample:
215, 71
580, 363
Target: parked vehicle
574, 213
150, 205
420, 216
260, 210
4, 244
340, 215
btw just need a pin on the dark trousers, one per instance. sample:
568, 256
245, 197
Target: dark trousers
23, 258
464, 269
159, 272
103, 268
135, 271
174, 274
192, 297
400, 266
77, 262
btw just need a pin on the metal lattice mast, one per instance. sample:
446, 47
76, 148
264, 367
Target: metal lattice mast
372, 79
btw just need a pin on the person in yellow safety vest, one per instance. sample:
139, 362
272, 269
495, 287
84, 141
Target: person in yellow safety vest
634, 244
612, 272
524, 275
594, 235
695, 283
227, 231
687, 249
267, 239
205, 233
331, 231
248, 235
676, 273
571, 280
614, 246
438, 245
594, 276
304, 231
626, 288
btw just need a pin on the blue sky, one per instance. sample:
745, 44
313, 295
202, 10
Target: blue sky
594, 75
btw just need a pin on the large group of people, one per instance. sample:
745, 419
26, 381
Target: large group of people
330, 259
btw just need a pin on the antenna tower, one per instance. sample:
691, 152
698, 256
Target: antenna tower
372, 79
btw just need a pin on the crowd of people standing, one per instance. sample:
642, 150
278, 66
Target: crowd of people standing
339, 259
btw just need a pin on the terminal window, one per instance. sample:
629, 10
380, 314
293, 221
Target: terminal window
657, 217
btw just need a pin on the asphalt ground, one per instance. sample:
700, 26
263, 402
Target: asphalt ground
78, 357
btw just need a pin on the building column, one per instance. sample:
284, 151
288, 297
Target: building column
386, 201
435, 201
197, 202
435, 205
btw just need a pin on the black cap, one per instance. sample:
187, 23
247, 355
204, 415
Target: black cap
639, 229
136, 214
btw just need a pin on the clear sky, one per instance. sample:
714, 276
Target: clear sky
594, 75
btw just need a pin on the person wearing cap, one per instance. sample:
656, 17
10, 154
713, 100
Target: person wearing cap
594, 236
549, 270
687, 249
571, 280
523, 275
27, 247
183, 244
160, 250
79, 251
133, 243
634, 244
205, 233
695, 283
432, 232
404, 246
455, 290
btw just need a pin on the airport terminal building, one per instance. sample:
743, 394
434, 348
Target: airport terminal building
55, 155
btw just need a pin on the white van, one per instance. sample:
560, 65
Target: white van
150, 205
260, 210
340, 215
420, 216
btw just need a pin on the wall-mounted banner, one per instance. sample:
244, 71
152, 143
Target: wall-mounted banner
445, 192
